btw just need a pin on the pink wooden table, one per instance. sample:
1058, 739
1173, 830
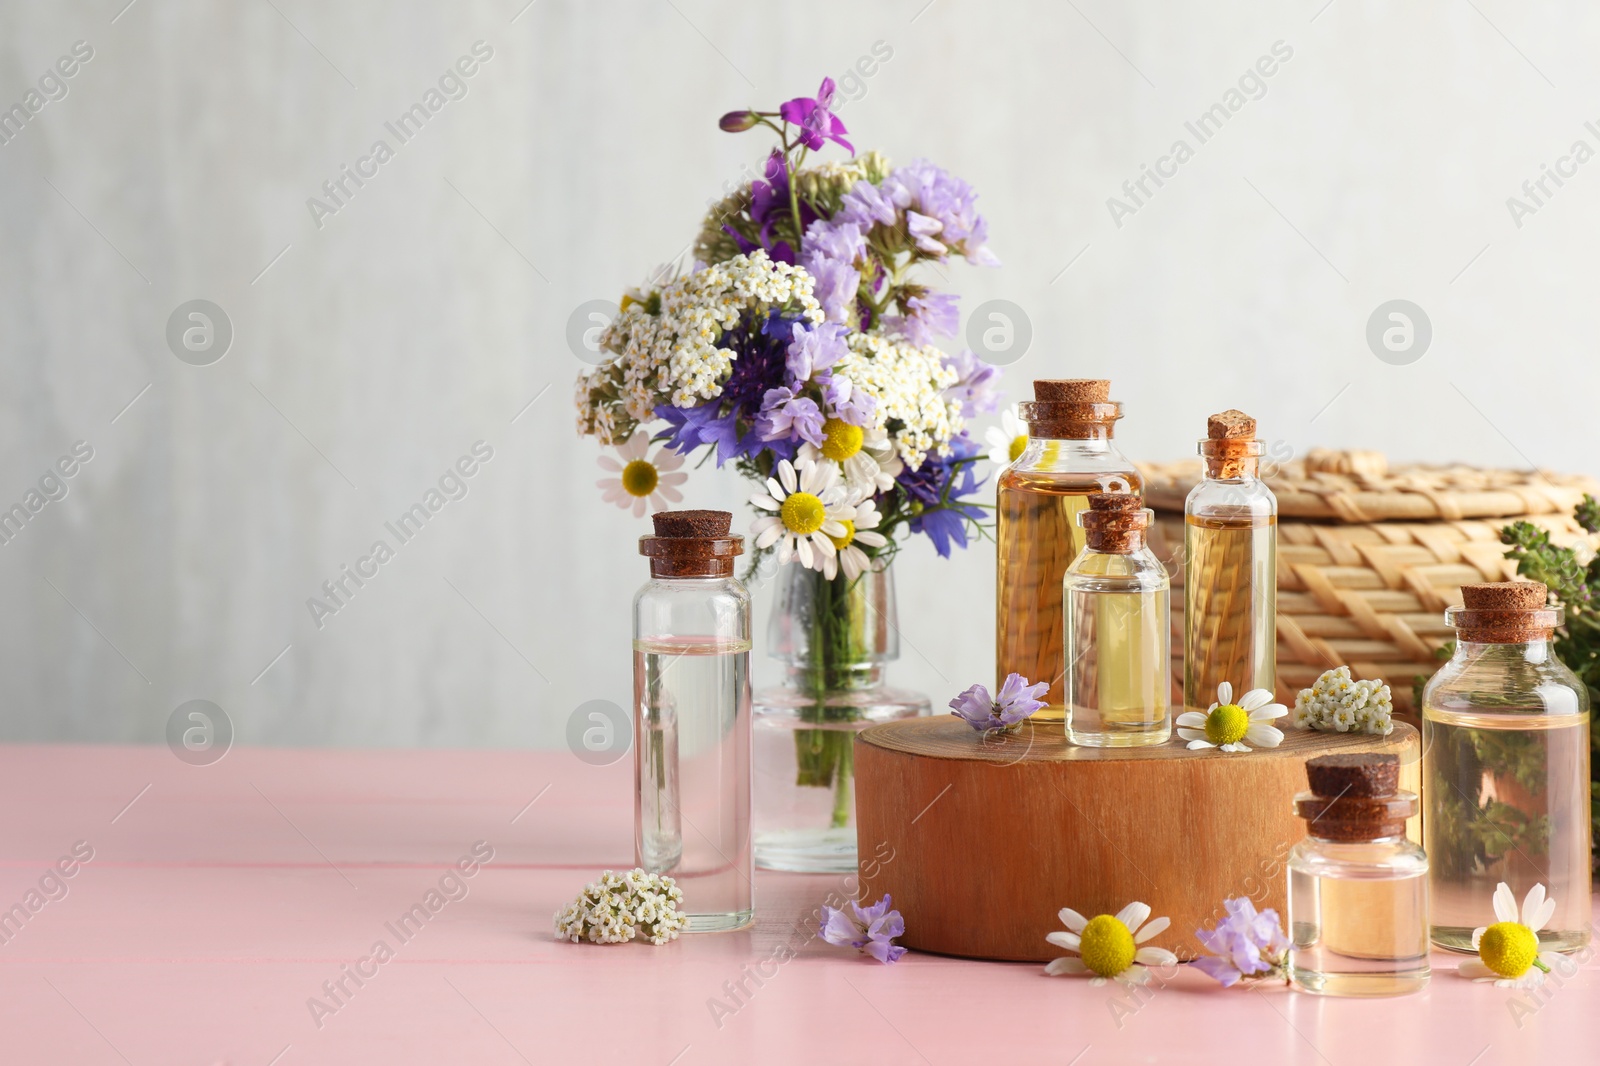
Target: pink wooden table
220, 899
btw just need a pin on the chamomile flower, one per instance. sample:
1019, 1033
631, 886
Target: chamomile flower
866, 457
860, 518
642, 478
1108, 945
807, 500
1508, 950
1227, 725
1008, 439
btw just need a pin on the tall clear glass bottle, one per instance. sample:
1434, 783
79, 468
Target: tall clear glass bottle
1230, 567
1505, 740
691, 705
1358, 888
1069, 454
1118, 603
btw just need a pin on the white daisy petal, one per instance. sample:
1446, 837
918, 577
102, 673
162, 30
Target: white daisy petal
1476, 969
1193, 719
1072, 919
786, 475
765, 502
774, 489
1542, 918
1063, 939
1265, 736
1505, 904
1152, 956
1133, 915
1155, 927
1236, 746
1096, 981
667, 461
1477, 935
608, 463
1531, 904
1193, 744
673, 479
1269, 712
1065, 967
1256, 697
802, 550
1224, 693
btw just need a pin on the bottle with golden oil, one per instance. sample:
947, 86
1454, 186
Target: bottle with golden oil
1505, 770
1358, 888
1118, 677
1230, 567
1067, 456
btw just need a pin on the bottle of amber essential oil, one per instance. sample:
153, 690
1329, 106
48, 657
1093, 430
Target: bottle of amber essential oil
1069, 454
691, 707
1118, 630
1230, 567
1505, 769
1358, 888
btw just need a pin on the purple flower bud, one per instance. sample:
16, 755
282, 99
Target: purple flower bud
737, 121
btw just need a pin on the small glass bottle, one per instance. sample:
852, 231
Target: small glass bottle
1505, 765
1068, 454
1358, 888
691, 699
1230, 567
1118, 601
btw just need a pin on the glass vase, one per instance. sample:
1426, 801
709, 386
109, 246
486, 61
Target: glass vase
834, 637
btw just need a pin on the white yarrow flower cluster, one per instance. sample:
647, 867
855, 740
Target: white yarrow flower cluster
908, 382
1339, 704
666, 345
619, 907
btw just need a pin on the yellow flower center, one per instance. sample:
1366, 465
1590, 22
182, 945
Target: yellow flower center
1106, 946
1227, 724
802, 514
1508, 948
1019, 444
639, 478
840, 440
843, 542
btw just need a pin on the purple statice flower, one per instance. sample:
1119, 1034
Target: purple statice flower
785, 416
1016, 700
977, 386
866, 205
1244, 944
929, 315
940, 211
814, 350
830, 254
818, 124
869, 929
850, 404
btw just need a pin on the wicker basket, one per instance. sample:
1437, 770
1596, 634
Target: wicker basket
1369, 557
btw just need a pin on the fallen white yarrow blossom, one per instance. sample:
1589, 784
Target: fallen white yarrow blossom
1339, 704
618, 907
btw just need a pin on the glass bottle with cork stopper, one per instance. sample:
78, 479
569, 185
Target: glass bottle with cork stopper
1118, 635
1230, 567
691, 707
1505, 740
1358, 888
1068, 455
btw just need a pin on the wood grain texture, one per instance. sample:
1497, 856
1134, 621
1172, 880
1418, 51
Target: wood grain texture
982, 839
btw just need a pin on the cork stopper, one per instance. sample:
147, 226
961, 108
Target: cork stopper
1355, 796
1230, 425
1115, 522
1073, 390
1504, 612
1071, 409
1505, 596
692, 523
691, 544
1371, 776
1231, 449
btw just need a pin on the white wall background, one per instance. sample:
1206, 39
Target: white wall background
433, 307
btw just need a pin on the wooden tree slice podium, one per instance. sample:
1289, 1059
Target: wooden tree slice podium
982, 839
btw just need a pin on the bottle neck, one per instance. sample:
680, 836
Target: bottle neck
1076, 432
1247, 468
1537, 650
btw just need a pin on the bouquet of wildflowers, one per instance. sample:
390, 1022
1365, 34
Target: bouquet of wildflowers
799, 347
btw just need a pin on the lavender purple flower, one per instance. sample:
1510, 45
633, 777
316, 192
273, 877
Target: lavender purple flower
1016, 700
1244, 944
870, 929
784, 415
